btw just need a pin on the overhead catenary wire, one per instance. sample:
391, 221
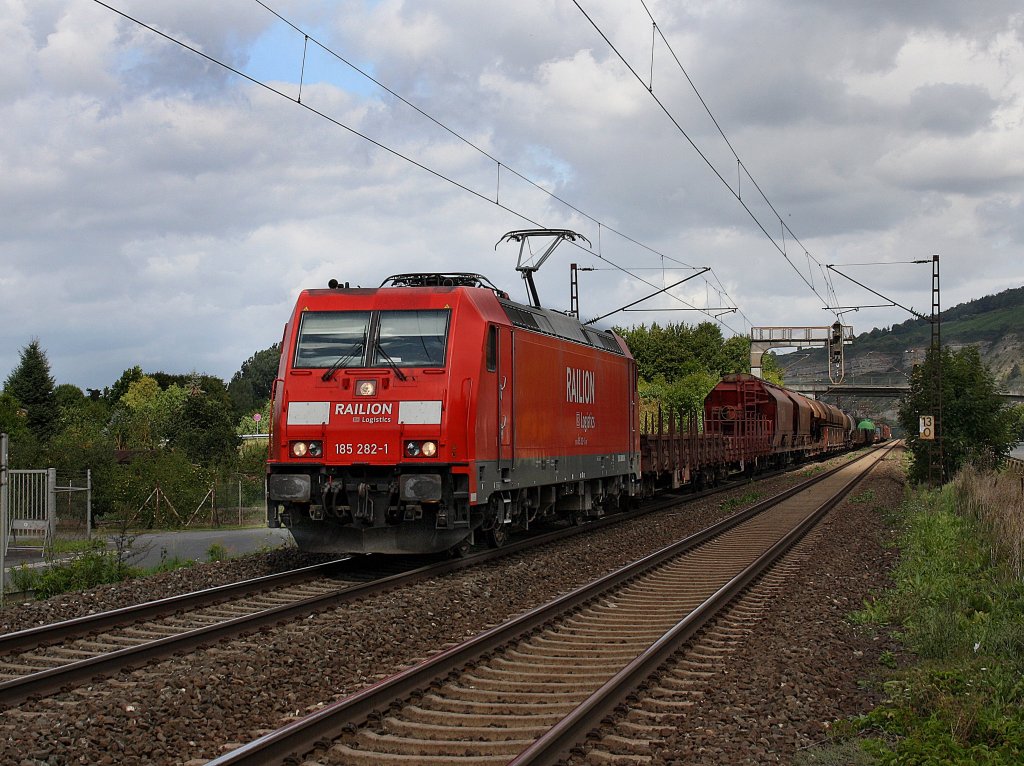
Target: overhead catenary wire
499, 165
436, 173
703, 156
473, 145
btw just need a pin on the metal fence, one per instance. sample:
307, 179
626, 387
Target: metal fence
43, 507
236, 501
39, 507
241, 500
31, 519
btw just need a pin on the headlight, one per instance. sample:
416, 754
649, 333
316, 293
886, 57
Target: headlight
366, 388
420, 449
313, 449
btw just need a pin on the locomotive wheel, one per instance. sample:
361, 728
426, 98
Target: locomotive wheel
497, 536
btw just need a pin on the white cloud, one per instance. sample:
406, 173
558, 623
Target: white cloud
161, 211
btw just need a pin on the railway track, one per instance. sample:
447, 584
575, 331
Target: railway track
525, 692
47, 658
44, 659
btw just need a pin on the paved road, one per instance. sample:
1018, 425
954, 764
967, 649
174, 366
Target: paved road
150, 548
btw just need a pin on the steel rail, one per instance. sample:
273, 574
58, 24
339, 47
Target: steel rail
304, 734
554, 745
51, 680
91, 623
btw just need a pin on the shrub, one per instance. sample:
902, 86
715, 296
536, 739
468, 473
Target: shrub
94, 566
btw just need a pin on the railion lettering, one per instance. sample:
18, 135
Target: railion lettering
579, 386
363, 408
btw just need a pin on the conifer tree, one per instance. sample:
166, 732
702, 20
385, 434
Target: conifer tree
33, 386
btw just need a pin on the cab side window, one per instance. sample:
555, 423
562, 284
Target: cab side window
492, 348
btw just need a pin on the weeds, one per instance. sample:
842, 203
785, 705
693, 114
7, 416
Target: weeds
960, 606
216, 552
996, 502
168, 564
748, 498
92, 565
23, 578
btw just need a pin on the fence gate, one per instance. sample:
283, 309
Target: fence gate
31, 507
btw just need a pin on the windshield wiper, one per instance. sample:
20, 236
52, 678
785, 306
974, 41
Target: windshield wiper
391, 362
329, 372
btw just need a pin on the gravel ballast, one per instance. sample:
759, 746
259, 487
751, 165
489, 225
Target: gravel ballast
189, 709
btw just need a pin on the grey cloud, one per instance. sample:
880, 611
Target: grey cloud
951, 108
212, 202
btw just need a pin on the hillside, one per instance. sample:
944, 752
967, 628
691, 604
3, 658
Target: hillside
995, 324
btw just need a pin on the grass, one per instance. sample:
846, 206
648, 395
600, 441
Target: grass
748, 498
89, 564
864, 497
996, 502
84, 564
958, 607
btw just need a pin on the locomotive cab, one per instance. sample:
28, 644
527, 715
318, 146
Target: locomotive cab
362, 459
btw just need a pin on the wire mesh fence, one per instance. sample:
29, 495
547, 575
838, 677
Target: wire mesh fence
238, 500
72, 505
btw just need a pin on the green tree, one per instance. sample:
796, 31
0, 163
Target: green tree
1016, 416
675, 350
147, 417
127, 490
252, 384
116, 391
32, 385
13, 417
735, 356
771, 370
205, 431
68, 396
247, 424
131, 422
975, 424
82, 419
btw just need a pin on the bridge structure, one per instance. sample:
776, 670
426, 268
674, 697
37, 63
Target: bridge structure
820, 388
883, 386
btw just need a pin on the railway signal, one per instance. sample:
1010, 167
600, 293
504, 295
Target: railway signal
833, 338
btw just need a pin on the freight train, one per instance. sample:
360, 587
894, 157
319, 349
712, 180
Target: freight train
434, 412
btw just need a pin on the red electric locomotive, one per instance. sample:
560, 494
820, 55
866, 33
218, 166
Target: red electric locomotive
411, 417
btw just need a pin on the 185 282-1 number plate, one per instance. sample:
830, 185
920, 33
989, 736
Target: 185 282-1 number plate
361, 448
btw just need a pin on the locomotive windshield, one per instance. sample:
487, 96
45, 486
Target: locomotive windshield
411, 338
336, 339
332, 339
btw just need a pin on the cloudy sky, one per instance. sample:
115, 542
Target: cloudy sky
160, 210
